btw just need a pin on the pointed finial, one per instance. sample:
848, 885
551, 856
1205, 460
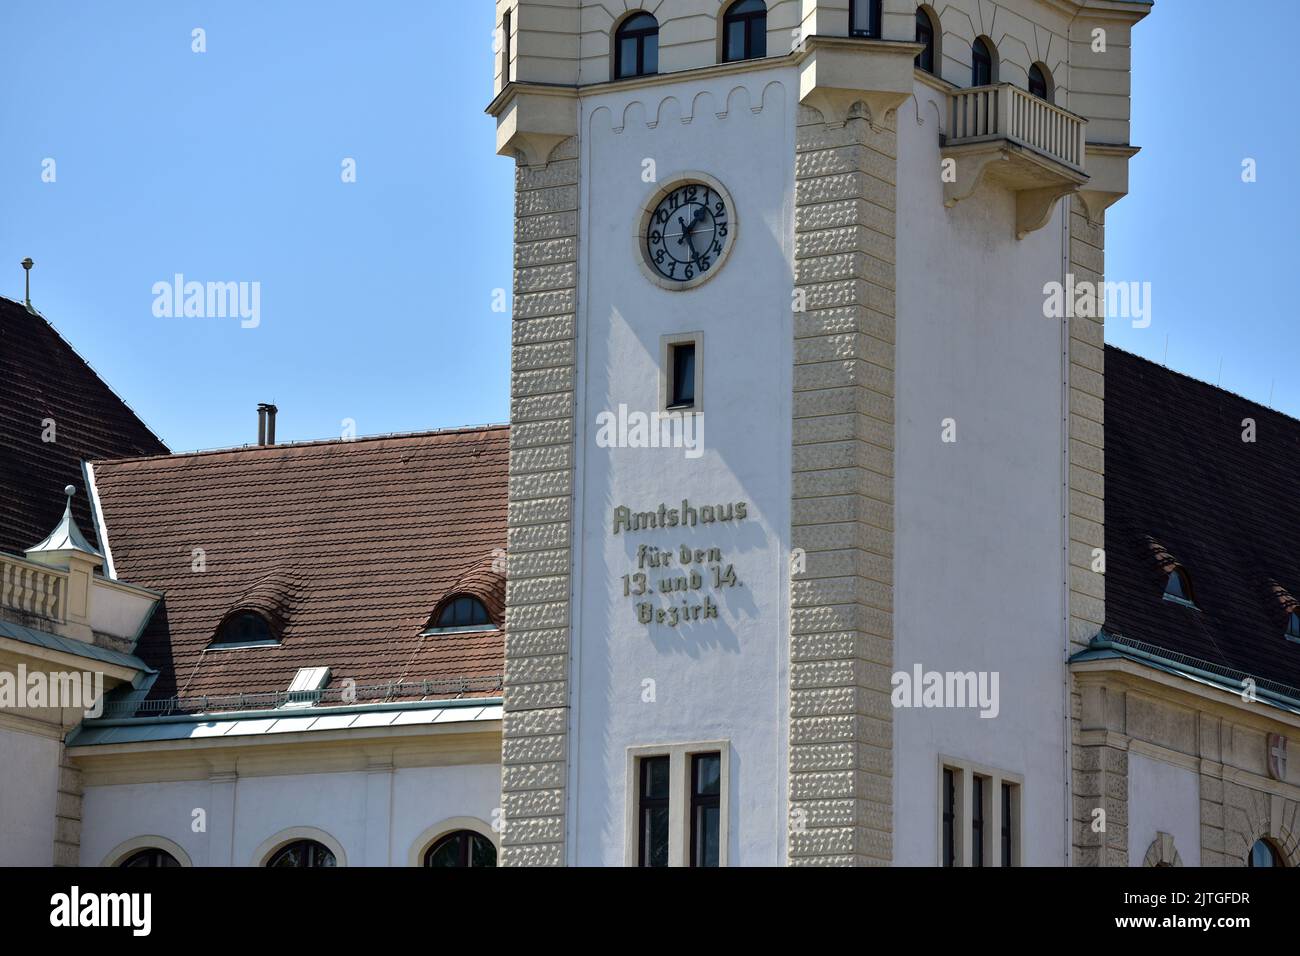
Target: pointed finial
27, 270
69, 490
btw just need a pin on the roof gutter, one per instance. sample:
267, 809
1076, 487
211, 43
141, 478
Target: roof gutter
1105, 644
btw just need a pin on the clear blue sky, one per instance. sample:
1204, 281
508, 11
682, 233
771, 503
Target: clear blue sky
376, 295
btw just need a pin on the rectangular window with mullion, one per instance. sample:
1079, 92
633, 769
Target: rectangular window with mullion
706, 810
652, 811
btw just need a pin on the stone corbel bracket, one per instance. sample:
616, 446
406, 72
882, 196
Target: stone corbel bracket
1108, 178
532, 119
1038, 182
836, 73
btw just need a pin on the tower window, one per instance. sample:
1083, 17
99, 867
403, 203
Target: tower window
636, 47
706, 818
949, 817
744, 31
1040, 82
681, 372
1179, 588
1293, 627
245, 629
1008, 835
977, 787
682, 393
864, 18
982, 62
652, 811
928, 58
505, 47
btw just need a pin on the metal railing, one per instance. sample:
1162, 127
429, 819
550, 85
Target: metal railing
1007, 112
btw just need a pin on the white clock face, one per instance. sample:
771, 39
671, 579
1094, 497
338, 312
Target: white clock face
688, 233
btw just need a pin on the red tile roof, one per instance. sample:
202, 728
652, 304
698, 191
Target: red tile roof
1184, 489
42, 377
345, 546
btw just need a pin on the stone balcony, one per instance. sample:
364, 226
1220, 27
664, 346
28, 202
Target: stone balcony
1005, 135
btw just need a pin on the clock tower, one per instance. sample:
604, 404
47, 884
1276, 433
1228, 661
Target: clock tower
805, 481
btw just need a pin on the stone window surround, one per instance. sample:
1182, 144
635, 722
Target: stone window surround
679, 785
966, 771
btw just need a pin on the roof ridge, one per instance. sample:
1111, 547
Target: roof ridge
1200, 381
235, 449
82, 359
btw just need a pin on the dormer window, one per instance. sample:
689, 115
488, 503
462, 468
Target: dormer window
461, 613
244, 629
1179, 588
1293, 627
636, 47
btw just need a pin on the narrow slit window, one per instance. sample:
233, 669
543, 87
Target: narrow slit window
977, 821
949, 816
681, 392
1008, 855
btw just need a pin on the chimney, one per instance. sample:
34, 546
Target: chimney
266, 424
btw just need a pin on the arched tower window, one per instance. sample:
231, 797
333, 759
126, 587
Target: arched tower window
1040, 82
636, 46
744, 31
864, 18
927, 35
984, 62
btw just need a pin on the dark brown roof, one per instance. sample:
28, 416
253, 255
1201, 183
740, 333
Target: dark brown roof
344, 546
1184, 489
42, 377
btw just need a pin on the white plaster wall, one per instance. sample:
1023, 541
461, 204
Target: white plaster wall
723, 679
376, 817
29, 787
978, 544
1162, 797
